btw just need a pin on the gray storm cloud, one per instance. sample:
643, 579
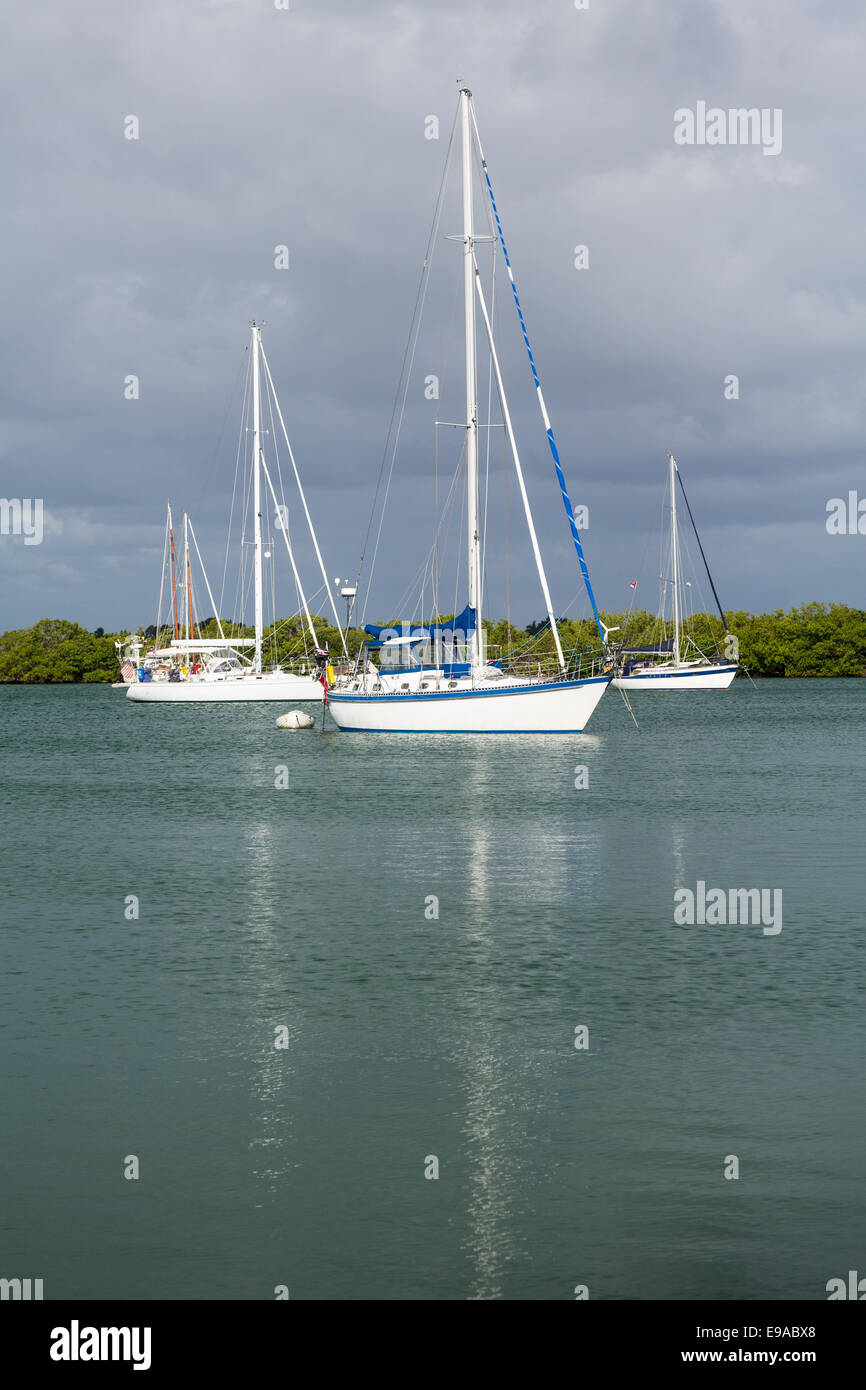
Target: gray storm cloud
305, 127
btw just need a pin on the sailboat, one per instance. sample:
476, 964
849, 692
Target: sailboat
191, 669
675, 663
462, 692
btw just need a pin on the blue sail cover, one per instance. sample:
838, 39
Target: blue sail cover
666, 646
461, 623
441, 637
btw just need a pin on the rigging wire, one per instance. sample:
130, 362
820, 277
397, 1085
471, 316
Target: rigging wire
701, 549
549, 428
230, 402
444, 355
161, 584
408, 356
241, 435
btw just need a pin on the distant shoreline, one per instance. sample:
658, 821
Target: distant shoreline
108, 685
815, 640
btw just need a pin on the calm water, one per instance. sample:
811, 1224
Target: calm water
409, 1036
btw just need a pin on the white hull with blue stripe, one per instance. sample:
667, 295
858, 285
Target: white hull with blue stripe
677, 672
503, 707
688, 677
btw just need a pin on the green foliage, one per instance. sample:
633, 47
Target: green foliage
56, 651
815, 639
289, 640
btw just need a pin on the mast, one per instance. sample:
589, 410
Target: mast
676, 560
188, 579
474, 544
173, 575
569, 511
257, 499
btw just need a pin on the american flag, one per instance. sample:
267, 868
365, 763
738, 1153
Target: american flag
127, 671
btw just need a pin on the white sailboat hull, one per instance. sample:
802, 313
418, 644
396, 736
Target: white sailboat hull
560, 707
678, 678
248, 689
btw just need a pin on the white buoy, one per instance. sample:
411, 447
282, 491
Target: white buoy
295, 719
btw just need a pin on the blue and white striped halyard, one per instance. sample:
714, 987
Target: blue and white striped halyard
575, 534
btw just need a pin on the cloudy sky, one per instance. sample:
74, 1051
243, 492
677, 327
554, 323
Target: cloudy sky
261, 126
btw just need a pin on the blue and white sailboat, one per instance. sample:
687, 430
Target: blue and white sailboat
460, 692
675, 663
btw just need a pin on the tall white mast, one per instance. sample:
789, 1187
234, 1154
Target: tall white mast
257, 499
675, 554
474, 543
186, 578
